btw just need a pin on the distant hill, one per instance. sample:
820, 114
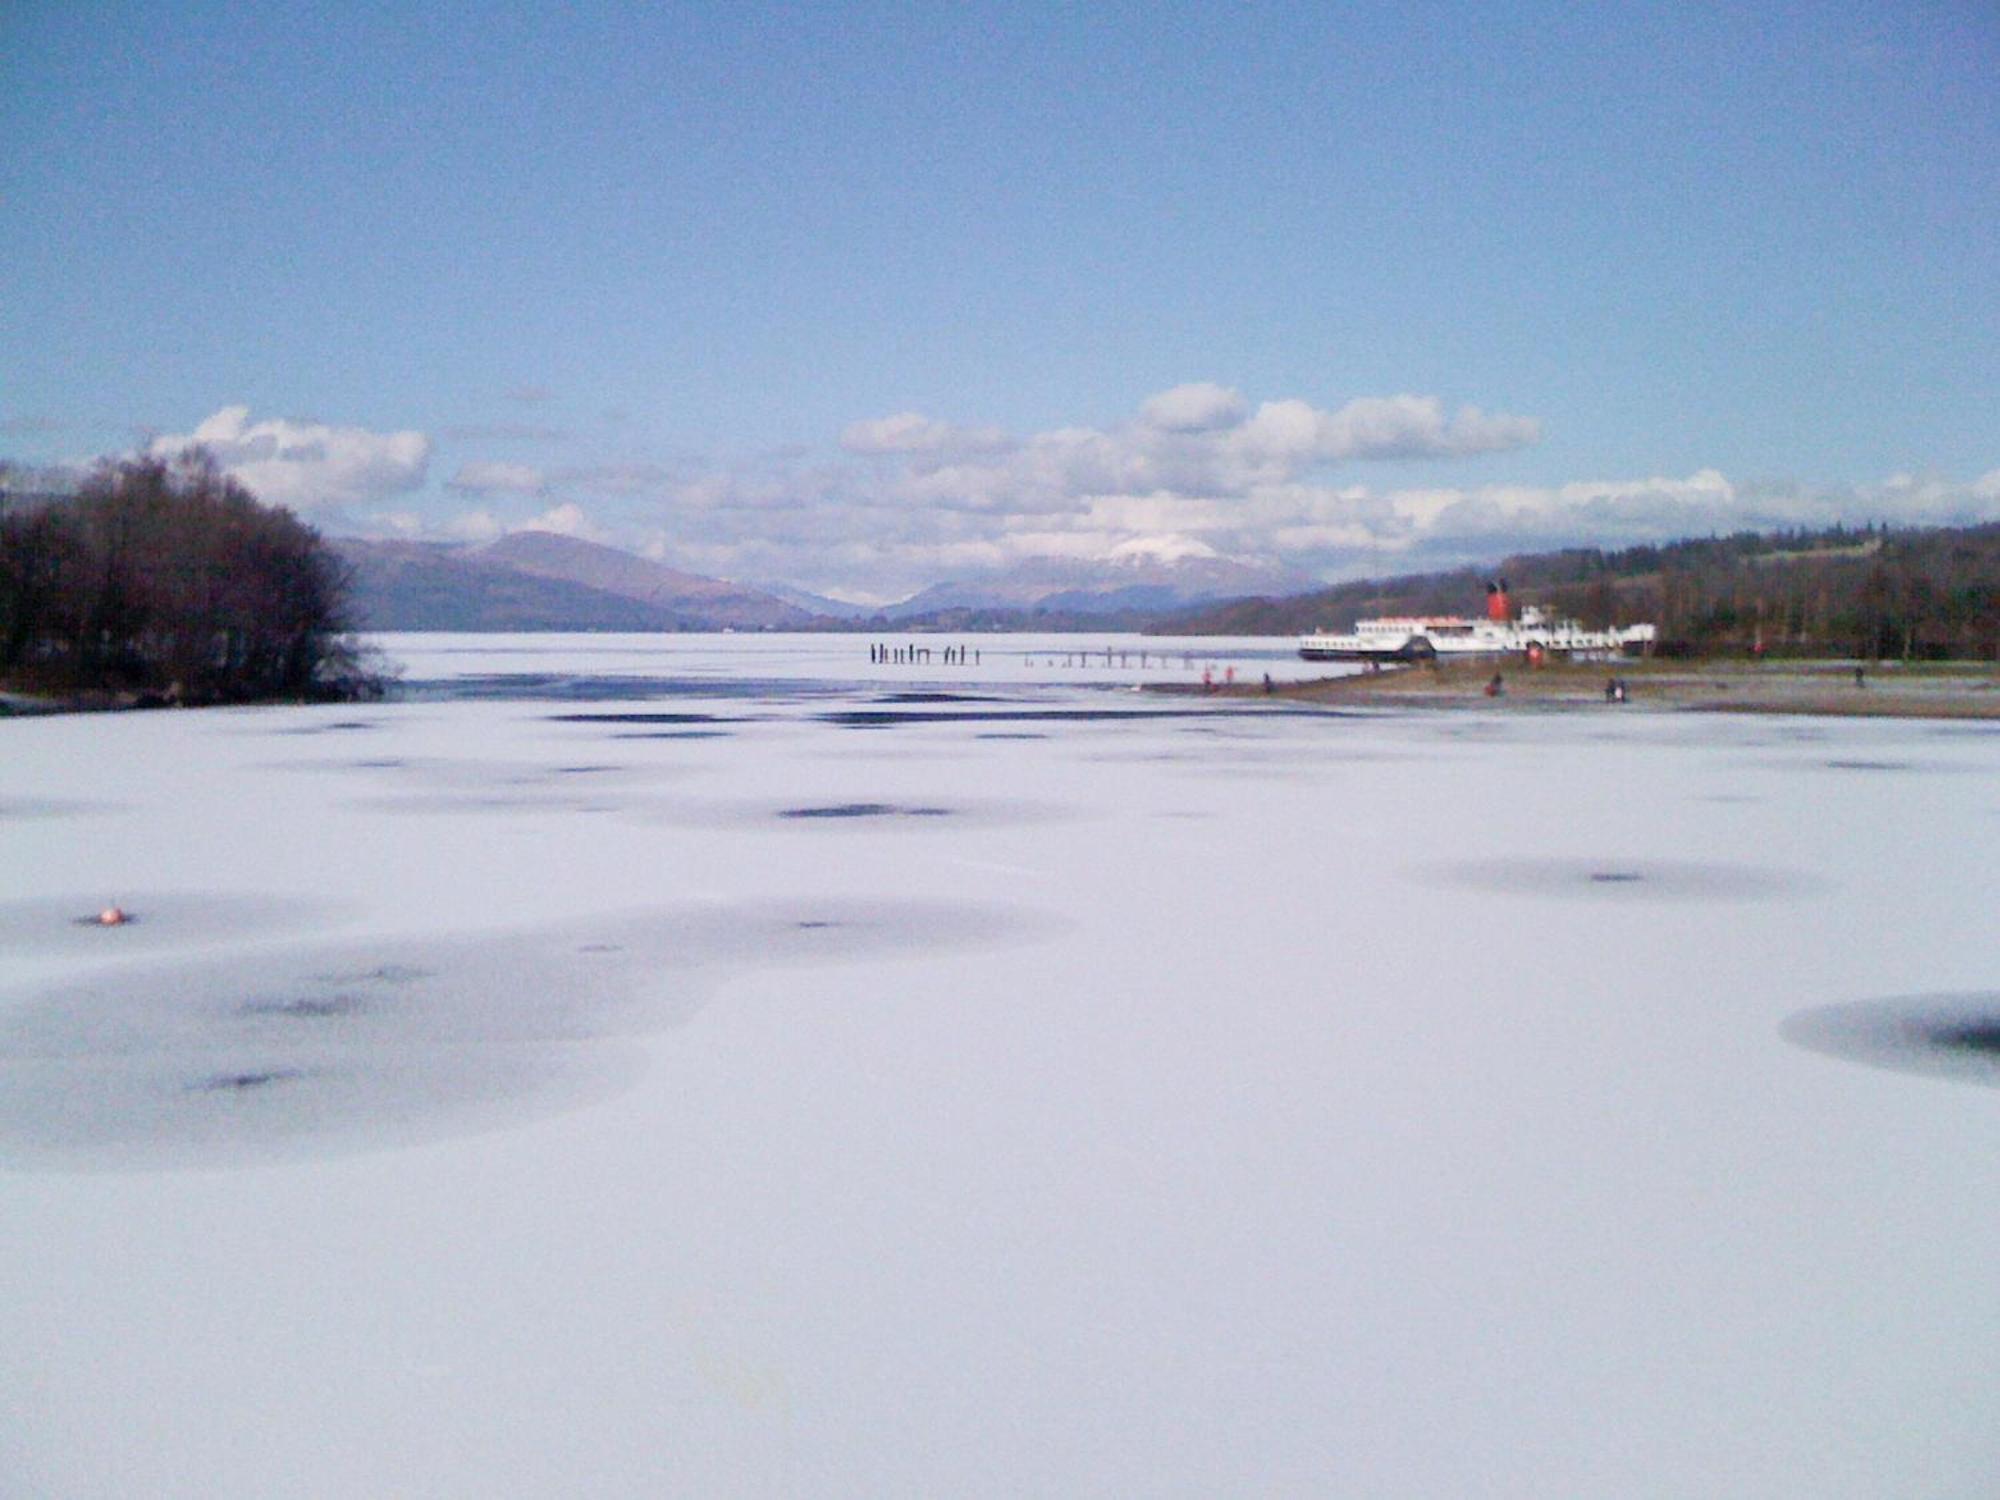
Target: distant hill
1872, 592
1137, 581
539, 581
535, 580
819, 604
686, 596
432, 586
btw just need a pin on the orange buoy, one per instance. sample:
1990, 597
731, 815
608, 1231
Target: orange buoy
112, 916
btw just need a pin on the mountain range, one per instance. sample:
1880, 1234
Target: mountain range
1135, 579
537, 580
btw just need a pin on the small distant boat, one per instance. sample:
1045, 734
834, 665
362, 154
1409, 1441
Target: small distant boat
1534, 632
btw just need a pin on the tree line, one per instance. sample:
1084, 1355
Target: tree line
1871, 592
169, 581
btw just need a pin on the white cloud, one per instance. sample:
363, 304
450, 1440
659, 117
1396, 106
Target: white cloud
567, 519
1192, 439
1196, 471
474, 526
1201, 406
492, 478
1194, 474
1293, 434
307, 465
913, 432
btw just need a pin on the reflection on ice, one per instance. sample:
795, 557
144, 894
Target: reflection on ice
349, 1047
69, 925
233, 1104
864, 810
1620, 879
12, 808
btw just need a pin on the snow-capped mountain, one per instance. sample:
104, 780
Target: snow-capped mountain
1146, 573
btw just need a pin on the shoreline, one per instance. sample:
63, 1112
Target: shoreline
1930, 690
1968, 690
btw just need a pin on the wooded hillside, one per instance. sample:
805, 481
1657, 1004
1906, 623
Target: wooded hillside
1872, 593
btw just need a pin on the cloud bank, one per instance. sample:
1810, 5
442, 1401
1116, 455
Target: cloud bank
1197, 471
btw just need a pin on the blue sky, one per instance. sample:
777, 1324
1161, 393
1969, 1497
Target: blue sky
664, 274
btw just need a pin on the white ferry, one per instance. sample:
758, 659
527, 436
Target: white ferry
1425, 637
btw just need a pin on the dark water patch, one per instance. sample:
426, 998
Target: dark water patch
864, 810
678, 734
1642, 880
237, 1082
1952, 1036
324, 1049
643, 718
307, 1007
380, 974
570, 687
832, 811
1868, 765
26, 808
1204, 753
457, 776
1982, 1035
430, 787
336, 726
311, 1101
487, 804
886, 718
915, 696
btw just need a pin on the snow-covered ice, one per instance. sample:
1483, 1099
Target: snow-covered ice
726, 1066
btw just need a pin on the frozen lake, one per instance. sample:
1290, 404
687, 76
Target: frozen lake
638, 1066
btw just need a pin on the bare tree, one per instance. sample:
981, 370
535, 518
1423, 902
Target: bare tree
170, 578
